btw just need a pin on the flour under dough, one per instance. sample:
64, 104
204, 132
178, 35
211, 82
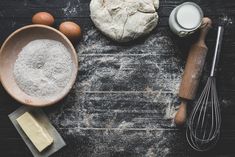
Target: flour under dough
124, 20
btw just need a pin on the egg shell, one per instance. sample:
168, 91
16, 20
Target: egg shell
71, 30
43, 18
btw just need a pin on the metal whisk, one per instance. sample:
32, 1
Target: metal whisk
204, 123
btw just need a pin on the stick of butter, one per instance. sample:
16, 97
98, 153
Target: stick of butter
36, 133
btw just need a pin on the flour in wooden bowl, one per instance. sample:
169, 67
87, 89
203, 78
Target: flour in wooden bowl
43, 68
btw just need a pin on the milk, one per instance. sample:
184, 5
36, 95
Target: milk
185, 19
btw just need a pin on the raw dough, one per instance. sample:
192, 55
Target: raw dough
124, 20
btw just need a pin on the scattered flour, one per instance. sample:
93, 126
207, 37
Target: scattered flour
43, 68
170, 111
71, 9
123, 99
106, 67
125, 125
225, 20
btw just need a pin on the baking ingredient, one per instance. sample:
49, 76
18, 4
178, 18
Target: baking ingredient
111, 101
189, 16
185, 19
36, 133
124, 20
43, 18
43, 68
40, 116
71, 30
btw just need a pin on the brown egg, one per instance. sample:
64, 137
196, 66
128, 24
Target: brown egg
71, 30
43, 18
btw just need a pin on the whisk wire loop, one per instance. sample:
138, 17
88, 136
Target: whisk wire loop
205, 121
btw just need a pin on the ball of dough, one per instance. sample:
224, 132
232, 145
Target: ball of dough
124, 20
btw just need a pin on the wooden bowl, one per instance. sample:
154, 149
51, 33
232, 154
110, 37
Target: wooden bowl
12, 47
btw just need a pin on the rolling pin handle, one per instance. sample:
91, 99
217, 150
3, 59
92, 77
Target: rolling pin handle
181, 115
204, 29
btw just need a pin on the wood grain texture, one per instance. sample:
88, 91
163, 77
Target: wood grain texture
125, 95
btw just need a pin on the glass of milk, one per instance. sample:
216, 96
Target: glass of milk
185, 19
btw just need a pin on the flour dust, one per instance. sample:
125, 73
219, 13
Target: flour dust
71, 9
124, 94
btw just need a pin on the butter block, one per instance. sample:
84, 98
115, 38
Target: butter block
37, 134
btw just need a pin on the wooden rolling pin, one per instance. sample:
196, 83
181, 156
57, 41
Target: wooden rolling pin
193, 71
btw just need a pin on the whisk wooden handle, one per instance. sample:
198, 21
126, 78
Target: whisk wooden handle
193, 71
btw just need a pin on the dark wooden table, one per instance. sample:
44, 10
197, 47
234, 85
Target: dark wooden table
125, 95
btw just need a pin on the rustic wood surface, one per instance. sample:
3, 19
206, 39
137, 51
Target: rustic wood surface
125, 96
